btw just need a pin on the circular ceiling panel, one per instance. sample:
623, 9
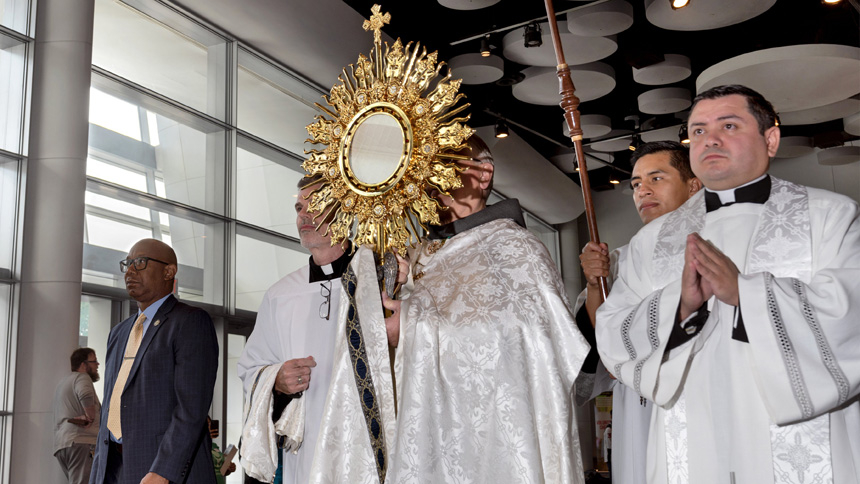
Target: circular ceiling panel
566, 160
704, 15
664, 100
613, 144
592, 125
540, 86
841, 155
606, 18
792, 78
794, 146
674, 68
467, 4
662, 134
592, 157
577, 49
473, 68
821, 114
851, 124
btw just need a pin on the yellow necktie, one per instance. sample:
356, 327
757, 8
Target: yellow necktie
114, 422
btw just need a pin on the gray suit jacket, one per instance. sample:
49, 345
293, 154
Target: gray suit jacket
166, 398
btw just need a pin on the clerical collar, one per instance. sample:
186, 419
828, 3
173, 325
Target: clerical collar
330, 271
756, 191
509, 208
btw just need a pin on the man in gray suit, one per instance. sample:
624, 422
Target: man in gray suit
161, 365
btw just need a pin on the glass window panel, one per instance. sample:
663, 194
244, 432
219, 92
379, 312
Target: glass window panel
94, 329
272, 105
259, 265
116, 174
152, 125
112, 204
186, 165
235, 392
114, 114
15, 14
183, 62
13, 63
105, 232
266, 193
198, 245
9, 209
6, 343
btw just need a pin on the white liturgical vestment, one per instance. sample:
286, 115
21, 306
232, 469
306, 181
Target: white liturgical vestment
763, 393
357, 428
631, 414
486, 362
289, 326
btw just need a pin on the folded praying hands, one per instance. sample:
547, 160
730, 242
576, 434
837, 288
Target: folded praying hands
707, 272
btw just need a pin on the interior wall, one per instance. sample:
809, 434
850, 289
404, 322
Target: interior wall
617, 220
844, 179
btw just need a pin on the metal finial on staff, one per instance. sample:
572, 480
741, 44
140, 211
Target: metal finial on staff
570, 104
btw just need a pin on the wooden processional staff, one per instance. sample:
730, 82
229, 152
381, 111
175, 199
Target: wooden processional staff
570, 104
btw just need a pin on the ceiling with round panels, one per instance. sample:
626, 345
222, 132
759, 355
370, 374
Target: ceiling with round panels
578, 49
607, 18
673, 68
540, 85
473, 68
704, 15
467, 4
637, 64
794, 77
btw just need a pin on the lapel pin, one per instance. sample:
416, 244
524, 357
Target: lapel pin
157, 322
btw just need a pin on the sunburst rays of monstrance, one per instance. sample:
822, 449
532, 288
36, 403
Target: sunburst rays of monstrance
405, 87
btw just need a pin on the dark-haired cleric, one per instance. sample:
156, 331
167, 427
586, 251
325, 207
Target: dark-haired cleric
737, 315
661, 181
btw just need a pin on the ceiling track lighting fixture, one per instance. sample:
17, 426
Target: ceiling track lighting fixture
830, 2
613, 179
501, 129
485, 46
677, 4
635, 142
683, 136
532, 35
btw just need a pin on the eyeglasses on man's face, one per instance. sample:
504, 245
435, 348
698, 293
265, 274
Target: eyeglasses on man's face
92, 362
139, 263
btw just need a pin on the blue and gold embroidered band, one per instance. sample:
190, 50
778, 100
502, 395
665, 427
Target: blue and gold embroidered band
363, 380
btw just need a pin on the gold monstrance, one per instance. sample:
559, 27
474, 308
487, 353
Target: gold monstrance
388, 137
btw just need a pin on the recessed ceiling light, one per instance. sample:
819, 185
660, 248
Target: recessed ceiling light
531, 35
485, 46
501, 129
683, 135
